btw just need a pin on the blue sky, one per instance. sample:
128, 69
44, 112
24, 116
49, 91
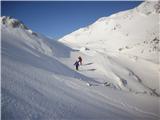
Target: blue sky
58, 18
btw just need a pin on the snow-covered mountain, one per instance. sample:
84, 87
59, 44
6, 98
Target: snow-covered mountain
116, 81
32, 76
134, 32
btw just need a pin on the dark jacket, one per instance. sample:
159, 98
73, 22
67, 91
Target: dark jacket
76, 63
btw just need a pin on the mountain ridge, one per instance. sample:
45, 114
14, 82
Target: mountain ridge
132, 31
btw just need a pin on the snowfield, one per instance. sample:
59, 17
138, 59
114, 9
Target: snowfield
118, 80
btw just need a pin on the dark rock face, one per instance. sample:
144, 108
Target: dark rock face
157, 7
14, 23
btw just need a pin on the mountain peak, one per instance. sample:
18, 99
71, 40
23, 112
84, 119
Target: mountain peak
149, 7
14, 23
127, 31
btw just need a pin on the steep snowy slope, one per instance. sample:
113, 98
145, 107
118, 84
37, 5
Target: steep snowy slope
123, 47
32, 40
40, 83
134, 32
34, 82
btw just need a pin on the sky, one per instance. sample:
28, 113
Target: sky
56, 19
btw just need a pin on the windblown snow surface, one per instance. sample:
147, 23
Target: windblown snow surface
117, 81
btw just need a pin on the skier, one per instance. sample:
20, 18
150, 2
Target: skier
76, 64
80, 60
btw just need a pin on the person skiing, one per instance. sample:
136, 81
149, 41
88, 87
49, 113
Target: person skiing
76, 64
80, 60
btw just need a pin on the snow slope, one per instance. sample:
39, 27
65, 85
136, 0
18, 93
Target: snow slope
39, 81
134, 32
131, 36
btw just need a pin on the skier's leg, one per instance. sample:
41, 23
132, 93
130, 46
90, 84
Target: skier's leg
76, 67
